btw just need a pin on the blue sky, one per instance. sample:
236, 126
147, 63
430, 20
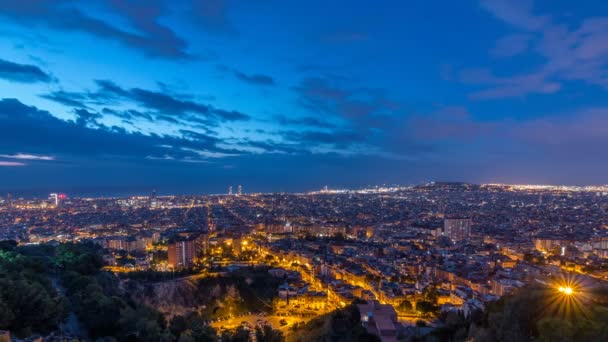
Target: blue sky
109, 96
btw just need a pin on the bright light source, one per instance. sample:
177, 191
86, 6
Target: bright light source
567, 290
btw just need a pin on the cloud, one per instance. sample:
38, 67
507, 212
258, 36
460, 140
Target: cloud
569, 53
508, 86
338, 139
26, 128
46, 137
450, 123
145, 32
363, 107
26, 156
257, 79
517, 13
164, 103
303, 121
69, 99
24, 73
511, 45
6, 163
366, 120
164, 106
85, 117
582, 132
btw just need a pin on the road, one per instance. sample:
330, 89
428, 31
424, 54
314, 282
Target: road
234, 322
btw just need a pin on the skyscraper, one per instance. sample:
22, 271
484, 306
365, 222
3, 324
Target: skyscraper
230, 190
55, 198
240, 190
152, 200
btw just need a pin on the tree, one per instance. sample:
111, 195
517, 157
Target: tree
240, 334
266, 333
405, 305
431, 294
554, 330
426, 308
27, 305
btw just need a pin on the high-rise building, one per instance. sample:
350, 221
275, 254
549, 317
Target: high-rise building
54, 198
182, 253
153, 202
240, 190
230, 190
458, 228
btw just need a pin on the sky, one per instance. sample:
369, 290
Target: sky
113, 97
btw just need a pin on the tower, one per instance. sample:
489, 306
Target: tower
152, 201
240, 190
230, 190
55, 198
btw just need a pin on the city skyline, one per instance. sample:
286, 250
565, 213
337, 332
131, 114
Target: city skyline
191, 97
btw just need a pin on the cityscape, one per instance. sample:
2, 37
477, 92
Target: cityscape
303, 171
413, 259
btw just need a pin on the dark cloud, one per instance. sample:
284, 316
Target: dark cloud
370, 121
257, 79
128, 114
28, 129
25, 73
84, 117
146, 33
159, 105
338, 139
304, 121
271, 146
164, 103
362, 107
69, 99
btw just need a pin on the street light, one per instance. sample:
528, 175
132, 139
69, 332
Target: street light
567, 290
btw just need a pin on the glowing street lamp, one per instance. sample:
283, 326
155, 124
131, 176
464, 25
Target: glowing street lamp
567, 290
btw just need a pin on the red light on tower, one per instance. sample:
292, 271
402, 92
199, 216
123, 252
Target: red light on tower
62, 196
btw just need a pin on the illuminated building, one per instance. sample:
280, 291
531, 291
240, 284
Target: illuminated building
379, 319
457, 229
153, 201
240, 190
547, 245
230, 190
181, 254
55, 198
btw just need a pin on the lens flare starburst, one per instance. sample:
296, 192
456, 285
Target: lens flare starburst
566, 298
